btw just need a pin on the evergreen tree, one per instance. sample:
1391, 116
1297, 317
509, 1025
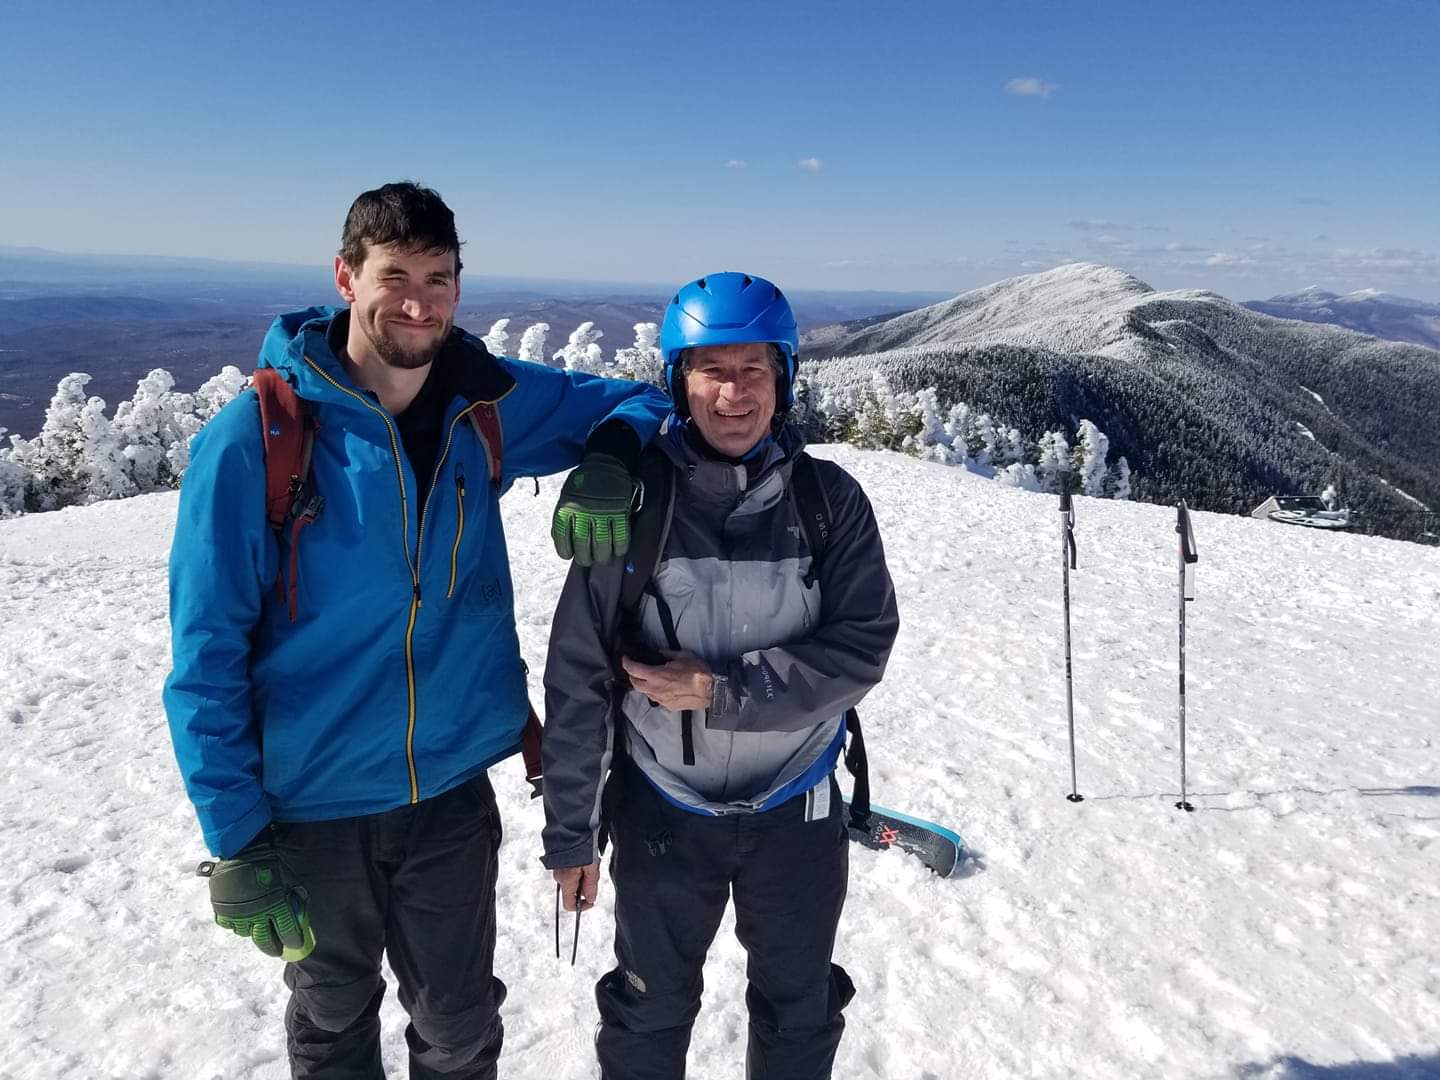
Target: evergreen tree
642, 361
532, 343
581, 353
497, 339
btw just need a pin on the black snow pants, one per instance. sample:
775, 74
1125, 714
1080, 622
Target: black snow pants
417, 883
674, 873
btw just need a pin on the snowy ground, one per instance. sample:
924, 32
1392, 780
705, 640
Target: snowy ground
1288, 928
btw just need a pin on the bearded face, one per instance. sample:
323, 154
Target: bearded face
402, 302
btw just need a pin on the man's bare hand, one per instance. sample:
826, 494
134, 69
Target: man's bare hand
684, 681
578, 885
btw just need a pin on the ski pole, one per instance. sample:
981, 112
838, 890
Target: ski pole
1188, 558
1067, 563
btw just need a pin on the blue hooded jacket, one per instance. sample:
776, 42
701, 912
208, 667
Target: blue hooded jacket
401, 676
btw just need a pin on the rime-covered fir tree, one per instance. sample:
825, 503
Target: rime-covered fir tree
532, 343
497, 338
642, 361
581, 353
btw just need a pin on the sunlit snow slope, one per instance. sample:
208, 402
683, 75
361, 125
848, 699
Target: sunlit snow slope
1291, 923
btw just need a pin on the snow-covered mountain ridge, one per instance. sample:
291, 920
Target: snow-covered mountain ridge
1207, 400
1288, 928
1369, 311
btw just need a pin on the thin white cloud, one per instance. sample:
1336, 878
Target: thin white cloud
737, 163
1226, 258
1397, 261
811, 164
1097, 225
1030, 86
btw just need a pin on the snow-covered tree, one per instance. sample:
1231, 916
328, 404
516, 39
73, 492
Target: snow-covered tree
1020, 475
885, 420
1053, 468
532, 343
214, 394
55, 458
1009, 446
498, 337
148, 425
105, 468
581, 353
642, 361
1089, 459
1122, 480
14, 481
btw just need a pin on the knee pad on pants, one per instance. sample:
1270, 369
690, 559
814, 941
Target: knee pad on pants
622, 1004
336, 1008
813, 1010
463, 1034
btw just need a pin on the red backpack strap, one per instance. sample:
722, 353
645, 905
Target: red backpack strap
485, 419
288, 433
282, 424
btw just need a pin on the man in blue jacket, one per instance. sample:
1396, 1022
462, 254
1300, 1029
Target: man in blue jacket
340, 688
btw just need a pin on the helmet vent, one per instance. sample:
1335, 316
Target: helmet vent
747, 282
702, 284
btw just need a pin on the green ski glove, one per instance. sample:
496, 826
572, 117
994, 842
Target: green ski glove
592, 518
255, 895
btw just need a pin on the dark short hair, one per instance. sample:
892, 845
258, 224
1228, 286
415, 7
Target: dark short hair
414, 217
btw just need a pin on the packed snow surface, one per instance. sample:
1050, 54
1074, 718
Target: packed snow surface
1290, 927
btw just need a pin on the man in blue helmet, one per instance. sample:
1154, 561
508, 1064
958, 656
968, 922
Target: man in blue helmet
700, 724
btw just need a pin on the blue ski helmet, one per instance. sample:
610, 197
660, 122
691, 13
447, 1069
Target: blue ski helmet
730, 309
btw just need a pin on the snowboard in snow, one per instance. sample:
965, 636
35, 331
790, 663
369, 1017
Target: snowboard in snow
934, 845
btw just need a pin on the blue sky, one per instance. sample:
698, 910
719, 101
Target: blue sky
1245, 147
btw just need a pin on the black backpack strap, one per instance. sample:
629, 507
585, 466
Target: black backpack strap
858, 766
816, 518
814, 510
649, 527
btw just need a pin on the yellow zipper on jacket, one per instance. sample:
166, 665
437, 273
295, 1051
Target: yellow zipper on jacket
418, 602
414, 565
459, 530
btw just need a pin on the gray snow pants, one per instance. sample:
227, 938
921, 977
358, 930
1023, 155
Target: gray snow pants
417, 883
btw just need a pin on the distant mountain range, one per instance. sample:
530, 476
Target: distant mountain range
1380, 314
118, 317
1208, 400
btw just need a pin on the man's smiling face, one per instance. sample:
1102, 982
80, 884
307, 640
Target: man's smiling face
403, 302
731, 392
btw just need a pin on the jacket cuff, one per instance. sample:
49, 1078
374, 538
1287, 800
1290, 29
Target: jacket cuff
226, 842
618, 439
579, 855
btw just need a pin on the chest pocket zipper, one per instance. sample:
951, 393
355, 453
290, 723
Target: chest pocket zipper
459, 526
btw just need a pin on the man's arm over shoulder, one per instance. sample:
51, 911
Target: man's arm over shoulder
218, 562
549, 416
579, 720
797, 685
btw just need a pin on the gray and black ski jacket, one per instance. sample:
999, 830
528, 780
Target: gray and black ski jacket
790, 654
